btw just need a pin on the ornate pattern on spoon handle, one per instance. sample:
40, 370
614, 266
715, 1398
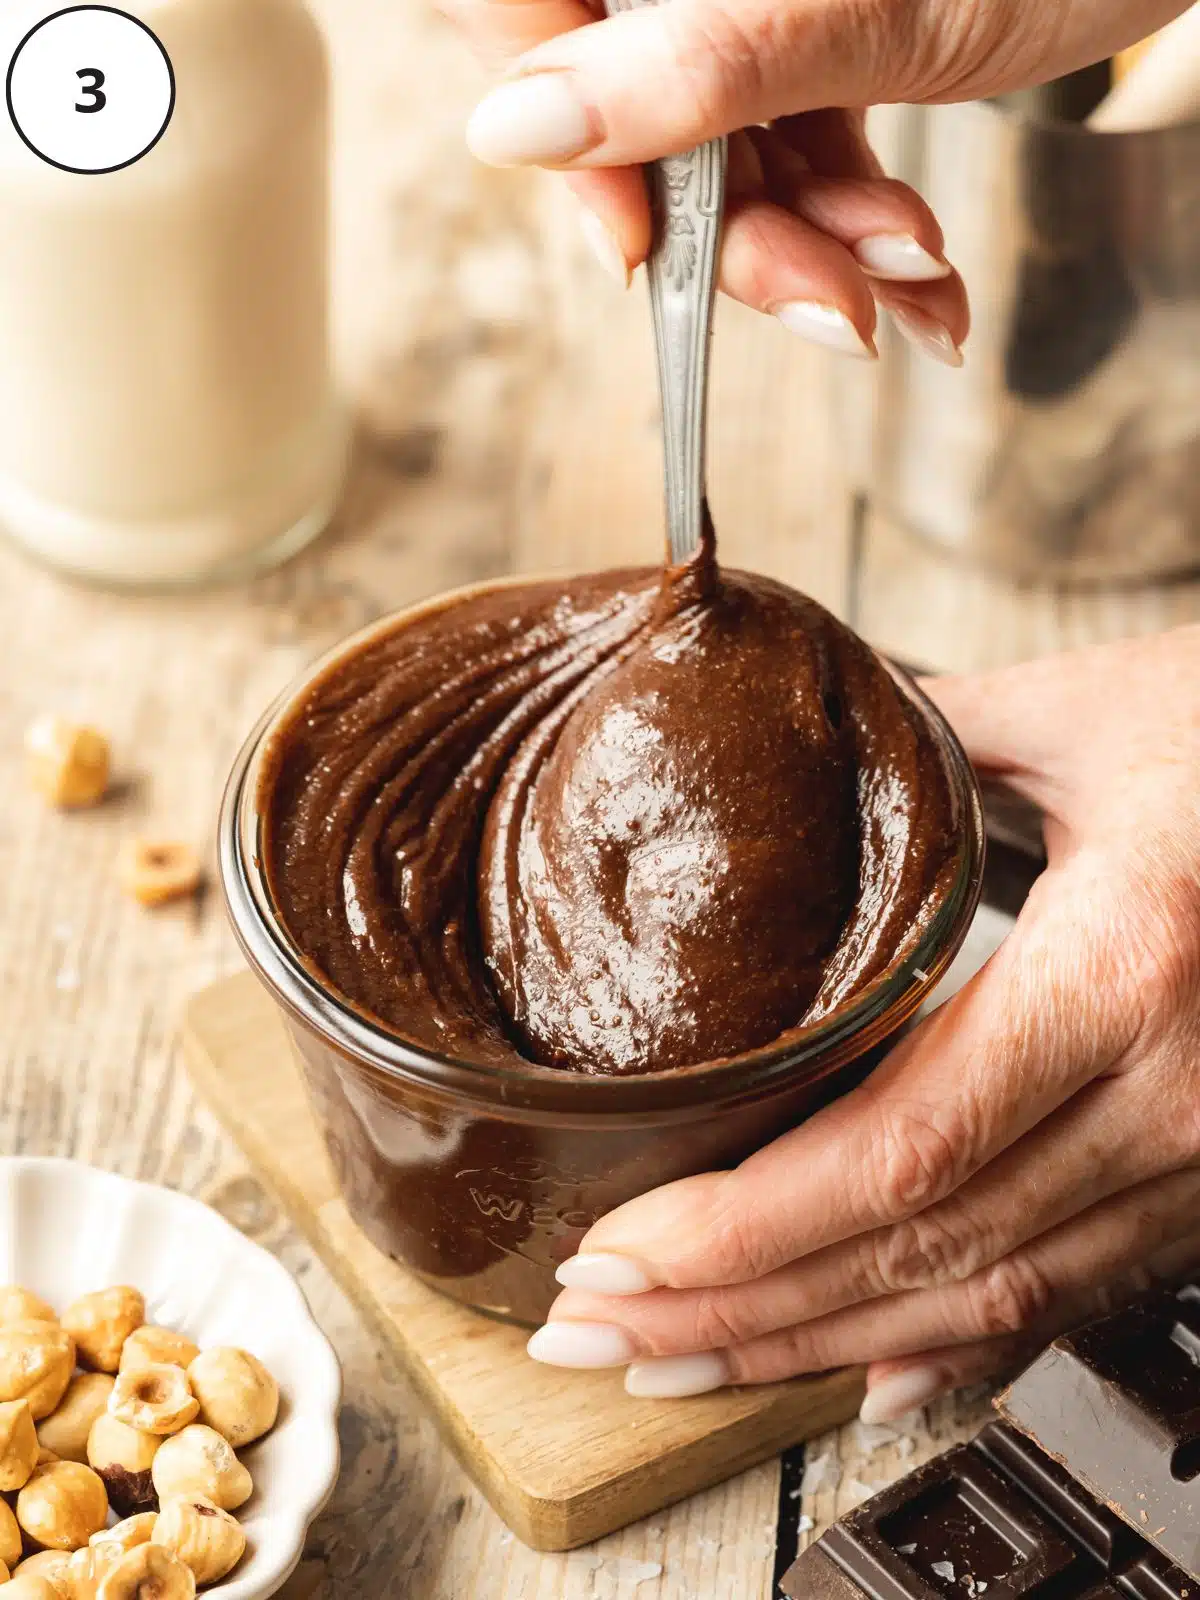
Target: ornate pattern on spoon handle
687, 194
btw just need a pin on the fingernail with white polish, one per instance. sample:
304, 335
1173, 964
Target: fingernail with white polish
825, 325
531, 121
606, 1274
902, 1392
676, 1377
611, 257
581, 1344
927, 334
899, 258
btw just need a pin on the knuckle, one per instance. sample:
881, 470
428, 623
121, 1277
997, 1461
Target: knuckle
921, 1156
1011, 1296
924, 1251
719, 1320
719, 60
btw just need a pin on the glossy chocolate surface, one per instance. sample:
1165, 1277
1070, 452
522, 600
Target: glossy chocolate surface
615, 824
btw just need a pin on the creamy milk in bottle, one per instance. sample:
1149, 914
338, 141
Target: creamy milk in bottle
166, 408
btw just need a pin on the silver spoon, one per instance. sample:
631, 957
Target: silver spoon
687, 197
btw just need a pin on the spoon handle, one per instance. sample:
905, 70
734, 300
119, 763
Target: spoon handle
687, 195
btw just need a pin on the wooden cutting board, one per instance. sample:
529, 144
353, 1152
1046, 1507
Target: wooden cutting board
564, 1457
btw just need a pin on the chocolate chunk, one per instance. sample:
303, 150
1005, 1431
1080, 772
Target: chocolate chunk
1083, 1519
1153, 1577
1118, 1404
955, 1527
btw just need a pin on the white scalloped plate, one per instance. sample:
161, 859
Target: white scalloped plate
66, 1228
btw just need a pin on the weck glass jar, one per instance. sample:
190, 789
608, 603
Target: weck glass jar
481, 1180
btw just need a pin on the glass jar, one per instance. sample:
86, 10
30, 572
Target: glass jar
482, 1180
167, 411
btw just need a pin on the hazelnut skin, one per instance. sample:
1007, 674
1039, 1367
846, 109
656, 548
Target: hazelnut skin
148, 1570
123, 1458
101, 1322
154, 1399
199, 1461
37, 1360
22, 1305
153, 1346
64, 1433
238, 1396
203, 1536
130, 1532
62, 1505
18, 1444
10, 1535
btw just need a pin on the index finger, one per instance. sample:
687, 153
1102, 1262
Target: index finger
502, 30
1029, 1030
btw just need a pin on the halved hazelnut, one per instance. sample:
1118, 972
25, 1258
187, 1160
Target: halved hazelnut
101, 1322
203, 1536
62, 1505
89, 1566
36, 1363
10, 1535
29, 1586
130, 1532
199, 1461
155, 871
150, 1572
153, 1399
238, 1396
67, 762
50, 1565
22, 1305
152, 1346
18, 1443
123, 1457
64, 1433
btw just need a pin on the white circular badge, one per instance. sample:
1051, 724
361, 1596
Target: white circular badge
90, 89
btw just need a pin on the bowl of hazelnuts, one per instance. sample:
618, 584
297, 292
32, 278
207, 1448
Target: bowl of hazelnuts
168, 1406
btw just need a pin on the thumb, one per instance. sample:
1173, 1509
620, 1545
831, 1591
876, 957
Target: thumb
658, 80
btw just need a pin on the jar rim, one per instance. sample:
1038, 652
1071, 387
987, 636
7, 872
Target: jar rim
297, 986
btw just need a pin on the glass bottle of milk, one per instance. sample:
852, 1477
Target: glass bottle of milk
167, 413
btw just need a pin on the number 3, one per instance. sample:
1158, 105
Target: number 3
98, 97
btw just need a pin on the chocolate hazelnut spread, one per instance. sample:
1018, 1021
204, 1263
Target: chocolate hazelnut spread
614, 824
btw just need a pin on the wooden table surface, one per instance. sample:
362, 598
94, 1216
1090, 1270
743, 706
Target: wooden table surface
505, 391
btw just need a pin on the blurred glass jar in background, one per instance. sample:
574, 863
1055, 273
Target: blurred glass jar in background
167, 411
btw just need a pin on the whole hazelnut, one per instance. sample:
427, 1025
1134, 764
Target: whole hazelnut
199, 1461
28, 1586
238, 1396
10, 1535
67, 761
22, 1305
149, 1572
123, 1457
18, 1443
36, 1363
203, 1536
65, 1431
62, 1505
153, 1399
153, 1346
89, 1566
101, 1322
130, 1532
51, 1565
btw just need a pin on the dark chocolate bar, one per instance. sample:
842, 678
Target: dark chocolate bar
1118, 1404
993, 1520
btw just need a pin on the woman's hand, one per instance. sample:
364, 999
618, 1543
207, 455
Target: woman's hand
1031, 1148
814, 233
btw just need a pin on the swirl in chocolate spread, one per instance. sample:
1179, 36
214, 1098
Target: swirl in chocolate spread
613, 824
